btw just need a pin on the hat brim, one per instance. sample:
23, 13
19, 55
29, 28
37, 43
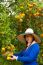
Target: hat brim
21, 38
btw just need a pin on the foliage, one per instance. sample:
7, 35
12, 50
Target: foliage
15, 18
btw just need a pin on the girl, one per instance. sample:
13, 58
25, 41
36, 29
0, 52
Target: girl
29, 55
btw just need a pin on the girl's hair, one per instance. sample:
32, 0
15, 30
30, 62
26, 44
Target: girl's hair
25, 38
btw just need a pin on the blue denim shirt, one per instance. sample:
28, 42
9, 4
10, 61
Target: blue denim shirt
29, 55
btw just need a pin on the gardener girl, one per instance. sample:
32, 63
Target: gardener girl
30, 54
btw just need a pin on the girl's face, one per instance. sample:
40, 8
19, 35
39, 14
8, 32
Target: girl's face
29, 38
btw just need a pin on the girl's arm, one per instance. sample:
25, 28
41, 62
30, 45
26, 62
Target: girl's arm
19, 53
32, 56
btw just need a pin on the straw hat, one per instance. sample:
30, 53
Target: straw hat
28, 31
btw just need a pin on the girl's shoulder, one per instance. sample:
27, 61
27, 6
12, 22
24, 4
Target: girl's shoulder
36, 45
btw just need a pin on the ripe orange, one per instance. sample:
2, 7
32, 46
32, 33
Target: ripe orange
41, 35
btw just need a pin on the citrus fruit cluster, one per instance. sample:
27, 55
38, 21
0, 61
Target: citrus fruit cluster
7, 51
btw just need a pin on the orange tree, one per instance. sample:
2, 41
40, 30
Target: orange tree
15, 18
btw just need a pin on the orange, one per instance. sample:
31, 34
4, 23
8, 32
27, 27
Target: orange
37, 14
41, 35
30, 5
21, 15
34, 3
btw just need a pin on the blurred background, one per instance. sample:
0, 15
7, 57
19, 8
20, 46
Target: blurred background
15, 17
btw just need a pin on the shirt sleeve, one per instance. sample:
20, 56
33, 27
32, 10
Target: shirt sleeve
19, 53
32, 56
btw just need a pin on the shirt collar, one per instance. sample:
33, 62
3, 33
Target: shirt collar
34, 42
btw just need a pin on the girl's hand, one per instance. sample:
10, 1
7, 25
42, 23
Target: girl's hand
13, 57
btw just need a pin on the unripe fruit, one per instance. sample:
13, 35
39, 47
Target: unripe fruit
8, 58
3, 49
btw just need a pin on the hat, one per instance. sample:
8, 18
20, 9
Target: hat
28, 31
